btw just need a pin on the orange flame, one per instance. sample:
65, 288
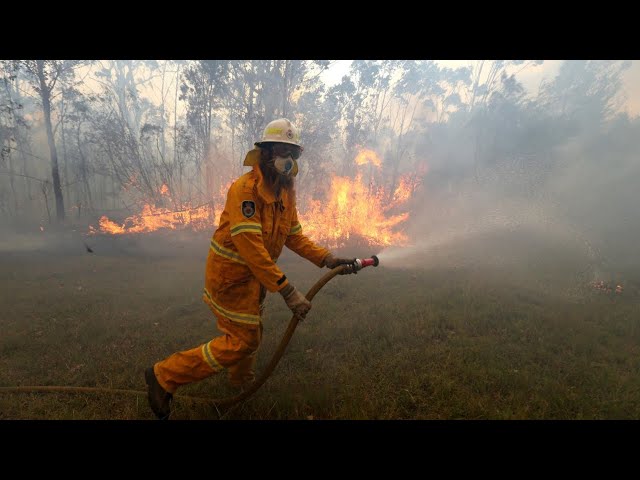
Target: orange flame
154, 218
354, 210
368, 156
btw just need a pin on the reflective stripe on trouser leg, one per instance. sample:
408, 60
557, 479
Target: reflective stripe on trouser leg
183, 367
239, 340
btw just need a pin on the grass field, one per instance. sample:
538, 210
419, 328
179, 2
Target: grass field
522, 338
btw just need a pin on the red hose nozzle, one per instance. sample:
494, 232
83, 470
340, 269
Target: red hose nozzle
366, 262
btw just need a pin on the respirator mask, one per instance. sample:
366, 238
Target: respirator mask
285, 157
284, 165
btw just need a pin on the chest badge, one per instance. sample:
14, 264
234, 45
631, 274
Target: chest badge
248, 208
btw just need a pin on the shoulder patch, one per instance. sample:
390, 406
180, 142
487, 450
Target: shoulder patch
248, 208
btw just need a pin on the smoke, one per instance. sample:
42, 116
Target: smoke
569, 224
546, 187
510, 169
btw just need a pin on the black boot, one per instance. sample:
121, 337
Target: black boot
159, 398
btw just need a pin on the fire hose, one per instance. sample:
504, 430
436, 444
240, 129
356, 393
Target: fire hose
227, 402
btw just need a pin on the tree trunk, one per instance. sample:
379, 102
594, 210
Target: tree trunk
13, 188
24, 170
45, 94
176, 160
64, 152
46, 200
83, 170
163, 144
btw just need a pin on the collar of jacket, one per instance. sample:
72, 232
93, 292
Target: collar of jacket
264, 192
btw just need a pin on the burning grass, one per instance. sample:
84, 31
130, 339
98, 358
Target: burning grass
362, 207
153, 218
355, 209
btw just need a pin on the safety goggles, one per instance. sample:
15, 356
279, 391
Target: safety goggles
285, 149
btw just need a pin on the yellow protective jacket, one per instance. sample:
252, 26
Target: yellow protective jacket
254, 227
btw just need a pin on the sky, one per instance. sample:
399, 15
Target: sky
529, 77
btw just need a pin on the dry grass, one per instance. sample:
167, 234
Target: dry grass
474, 342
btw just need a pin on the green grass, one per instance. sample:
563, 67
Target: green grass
471, 342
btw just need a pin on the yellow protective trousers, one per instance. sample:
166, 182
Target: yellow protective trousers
234, 351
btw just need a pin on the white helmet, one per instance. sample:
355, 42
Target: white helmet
280, 131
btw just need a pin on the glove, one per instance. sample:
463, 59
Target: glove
332, 262
296, 301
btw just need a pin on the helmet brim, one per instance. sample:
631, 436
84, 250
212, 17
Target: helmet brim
257, 144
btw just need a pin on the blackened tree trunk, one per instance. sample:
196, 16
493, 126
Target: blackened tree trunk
45, 94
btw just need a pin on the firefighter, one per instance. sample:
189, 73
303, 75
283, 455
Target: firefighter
258, 220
